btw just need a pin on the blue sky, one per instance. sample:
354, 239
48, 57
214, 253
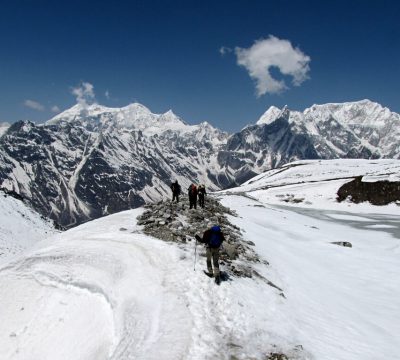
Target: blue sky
219, 61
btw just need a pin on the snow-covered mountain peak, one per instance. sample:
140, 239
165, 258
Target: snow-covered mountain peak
365, 115
133, 116
134, 111
269, 116
79, 111
274, 113
170, 117
362, 113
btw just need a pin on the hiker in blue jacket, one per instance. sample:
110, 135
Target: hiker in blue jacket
213, 238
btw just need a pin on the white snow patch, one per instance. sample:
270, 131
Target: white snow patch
20, 228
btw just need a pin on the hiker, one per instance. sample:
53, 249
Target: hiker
201, 190
192, 192
213, 239
176, 191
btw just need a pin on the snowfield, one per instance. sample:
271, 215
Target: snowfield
20, 227
104, 290
98, 292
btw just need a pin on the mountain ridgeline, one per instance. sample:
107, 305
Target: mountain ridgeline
90, 161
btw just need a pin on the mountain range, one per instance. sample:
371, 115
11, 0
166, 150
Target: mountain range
91, 160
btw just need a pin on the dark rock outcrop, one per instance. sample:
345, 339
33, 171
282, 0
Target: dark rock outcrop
342, 243
377, 193
177, 223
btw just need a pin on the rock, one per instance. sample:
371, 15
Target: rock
343, 243
177, 223
277, 356
377, 193
231, 250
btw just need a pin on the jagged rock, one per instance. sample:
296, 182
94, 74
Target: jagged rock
277, 356
343, 243
166, 226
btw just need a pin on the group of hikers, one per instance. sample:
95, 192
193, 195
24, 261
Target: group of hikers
194, 193
212, 238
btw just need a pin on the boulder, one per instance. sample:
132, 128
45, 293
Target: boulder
343, 243
377, 193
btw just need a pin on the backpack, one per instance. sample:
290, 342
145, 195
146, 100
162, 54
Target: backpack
215, 237
193, 190
176, 188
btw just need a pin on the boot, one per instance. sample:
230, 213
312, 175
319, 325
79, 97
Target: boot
218, 279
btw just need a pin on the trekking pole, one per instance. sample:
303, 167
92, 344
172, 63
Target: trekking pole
195, 253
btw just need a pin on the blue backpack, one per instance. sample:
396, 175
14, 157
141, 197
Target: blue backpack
215, 238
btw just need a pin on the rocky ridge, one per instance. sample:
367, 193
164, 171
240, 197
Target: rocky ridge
175, 222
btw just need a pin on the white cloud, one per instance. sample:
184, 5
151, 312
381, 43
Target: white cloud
84, 94
224, 50
107, 95
273, 52
33, 105
55, 109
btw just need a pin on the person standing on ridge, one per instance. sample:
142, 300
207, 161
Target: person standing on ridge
192, 192
201, 190
213, 239
176, 191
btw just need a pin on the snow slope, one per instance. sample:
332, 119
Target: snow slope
108, 293
341, 303
314, 183
20, 227
104, 290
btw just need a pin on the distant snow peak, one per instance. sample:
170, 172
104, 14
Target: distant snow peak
269, 116
274, 113
171, 117
132, 116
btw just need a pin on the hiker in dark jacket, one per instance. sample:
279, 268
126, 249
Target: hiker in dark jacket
201, 190
192, 192
213, 238
176, 191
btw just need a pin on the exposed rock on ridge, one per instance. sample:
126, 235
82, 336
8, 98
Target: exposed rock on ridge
177, 223
377, 193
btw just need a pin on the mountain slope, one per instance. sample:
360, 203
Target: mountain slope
20, 227
90, 160
362, 129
